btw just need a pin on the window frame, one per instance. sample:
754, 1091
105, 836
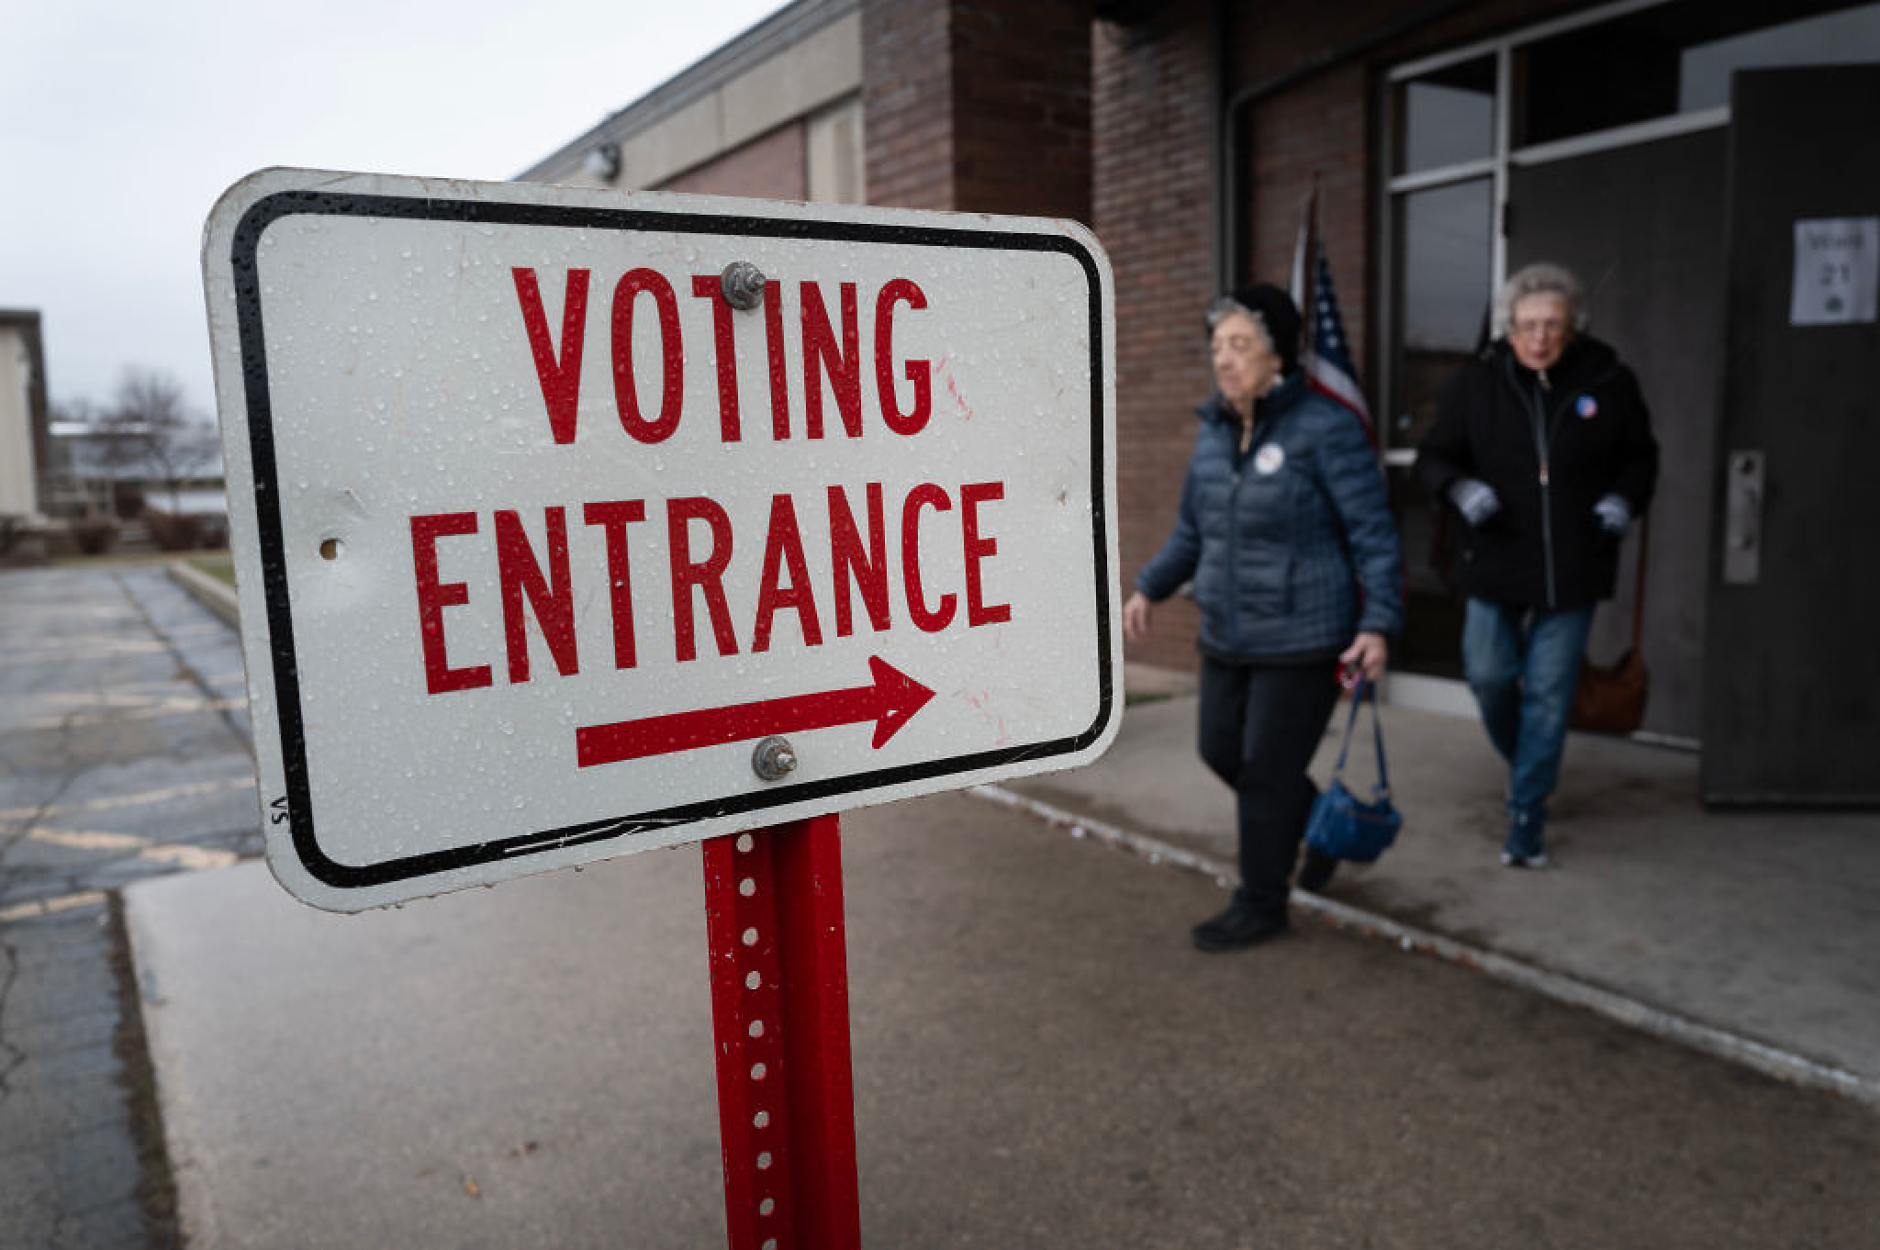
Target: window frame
1392, 188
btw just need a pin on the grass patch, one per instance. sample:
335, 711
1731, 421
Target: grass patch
156, 1183
108, 558
217, 564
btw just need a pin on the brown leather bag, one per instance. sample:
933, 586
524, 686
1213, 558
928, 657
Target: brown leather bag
1610, 698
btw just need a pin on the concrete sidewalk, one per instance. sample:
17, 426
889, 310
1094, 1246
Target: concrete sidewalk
1761, 925
1748, 933
1040, 1057
1041, 1060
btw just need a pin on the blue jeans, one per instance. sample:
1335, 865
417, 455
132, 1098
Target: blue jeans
1522, 665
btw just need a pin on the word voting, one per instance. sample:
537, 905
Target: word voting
867, 531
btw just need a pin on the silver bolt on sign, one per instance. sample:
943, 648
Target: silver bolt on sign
774, 758
742, 284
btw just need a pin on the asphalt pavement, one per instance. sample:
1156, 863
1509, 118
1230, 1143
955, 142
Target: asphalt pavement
123, 755
1041, 1059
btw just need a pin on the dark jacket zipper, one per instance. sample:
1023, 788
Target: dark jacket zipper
1234, 433
1531, 400
1543, 446
1233, 521
1544, 435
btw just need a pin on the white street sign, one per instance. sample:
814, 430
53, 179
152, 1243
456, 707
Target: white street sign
537, 536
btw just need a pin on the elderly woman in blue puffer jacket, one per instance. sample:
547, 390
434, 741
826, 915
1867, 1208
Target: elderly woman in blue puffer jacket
1286, 531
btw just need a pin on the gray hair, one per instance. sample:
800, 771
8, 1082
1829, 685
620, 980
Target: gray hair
1226, 306
1540, 279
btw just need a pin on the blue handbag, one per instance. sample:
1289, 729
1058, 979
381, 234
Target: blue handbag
1342, 827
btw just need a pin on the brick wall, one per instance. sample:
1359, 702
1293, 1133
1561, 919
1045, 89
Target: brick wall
974, 104
907, 111
978, 105
1318, 128
1021, 107
1152, 195
1328, 124
771, 166
1151, 128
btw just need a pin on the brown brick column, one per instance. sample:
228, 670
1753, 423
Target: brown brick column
1152, 129
907, 103
978, 105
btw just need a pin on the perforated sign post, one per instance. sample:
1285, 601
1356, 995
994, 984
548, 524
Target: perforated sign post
569, 523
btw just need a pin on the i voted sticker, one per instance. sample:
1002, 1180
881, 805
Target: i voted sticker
1587, 407
1269, 458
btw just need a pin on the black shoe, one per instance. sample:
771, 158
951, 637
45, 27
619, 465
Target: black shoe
1237, 928
1315, 871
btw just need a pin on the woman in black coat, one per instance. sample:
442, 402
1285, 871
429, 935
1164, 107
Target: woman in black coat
1544, 446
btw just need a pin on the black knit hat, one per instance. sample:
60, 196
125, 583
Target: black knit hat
1276, 312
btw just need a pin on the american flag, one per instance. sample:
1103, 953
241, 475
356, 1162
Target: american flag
1326, 353
1327, 356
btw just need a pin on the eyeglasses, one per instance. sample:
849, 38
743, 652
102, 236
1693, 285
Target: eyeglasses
1551, 327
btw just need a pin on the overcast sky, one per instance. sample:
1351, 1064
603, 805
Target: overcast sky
120, 124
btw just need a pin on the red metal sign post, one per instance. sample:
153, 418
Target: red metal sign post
780, 1016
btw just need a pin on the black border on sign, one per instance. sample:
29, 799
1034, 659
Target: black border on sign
244, 260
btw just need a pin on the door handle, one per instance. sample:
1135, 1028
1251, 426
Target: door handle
1742, 518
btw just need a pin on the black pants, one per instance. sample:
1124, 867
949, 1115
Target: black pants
1260, 725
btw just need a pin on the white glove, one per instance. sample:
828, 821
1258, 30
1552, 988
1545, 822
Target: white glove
1476, 501
1614, 513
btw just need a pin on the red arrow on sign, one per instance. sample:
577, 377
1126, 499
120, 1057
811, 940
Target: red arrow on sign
890, 701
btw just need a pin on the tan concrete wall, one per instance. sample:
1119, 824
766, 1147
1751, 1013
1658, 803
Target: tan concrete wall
822, 68
18, 496
798, 83
836, 155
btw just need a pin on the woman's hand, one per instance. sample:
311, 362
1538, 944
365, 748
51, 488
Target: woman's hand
1368, 653
1136, 617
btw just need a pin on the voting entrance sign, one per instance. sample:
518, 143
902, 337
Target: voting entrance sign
569, 523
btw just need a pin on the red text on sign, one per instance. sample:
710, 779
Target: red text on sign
831, 352
538, 582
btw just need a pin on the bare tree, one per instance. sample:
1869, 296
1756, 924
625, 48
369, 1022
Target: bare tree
76, 410
148, 430
81, 480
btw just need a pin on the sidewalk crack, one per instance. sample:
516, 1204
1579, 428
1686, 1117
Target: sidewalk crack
183, 666
11, 1056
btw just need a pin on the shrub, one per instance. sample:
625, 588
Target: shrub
94, 534
173, 531
126, 500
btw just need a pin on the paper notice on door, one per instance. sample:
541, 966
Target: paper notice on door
1837, 271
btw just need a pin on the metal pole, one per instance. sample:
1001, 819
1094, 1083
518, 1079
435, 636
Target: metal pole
780, 1017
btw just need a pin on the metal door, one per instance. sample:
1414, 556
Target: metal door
1643, 227
1791, 674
